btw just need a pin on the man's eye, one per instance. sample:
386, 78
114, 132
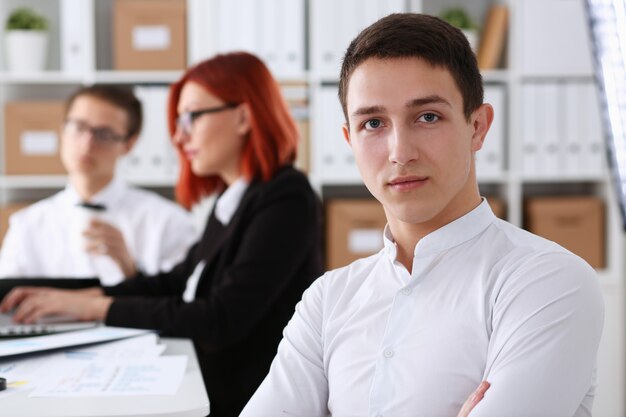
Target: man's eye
373, 124
81, 127
429, 118
103, 134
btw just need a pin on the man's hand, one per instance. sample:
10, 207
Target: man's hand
33, 303
105, 239
474, 399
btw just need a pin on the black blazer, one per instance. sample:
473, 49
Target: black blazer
256, 270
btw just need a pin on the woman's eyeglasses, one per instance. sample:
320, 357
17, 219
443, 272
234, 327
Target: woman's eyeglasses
101, 135
185, 120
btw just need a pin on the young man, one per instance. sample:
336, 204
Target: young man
456, 296
97, 226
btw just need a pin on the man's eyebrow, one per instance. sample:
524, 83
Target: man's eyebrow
369, 110
417, 102
432, 99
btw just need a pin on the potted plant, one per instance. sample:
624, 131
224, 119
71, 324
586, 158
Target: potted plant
26, 40
458, 17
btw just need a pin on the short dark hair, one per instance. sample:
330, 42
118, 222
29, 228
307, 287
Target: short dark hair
119, 96
412, 35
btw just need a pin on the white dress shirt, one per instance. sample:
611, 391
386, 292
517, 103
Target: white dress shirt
485, 301
225, 208
45, 239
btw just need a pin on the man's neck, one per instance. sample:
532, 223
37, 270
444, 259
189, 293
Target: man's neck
88, 187
407, 235
406, 239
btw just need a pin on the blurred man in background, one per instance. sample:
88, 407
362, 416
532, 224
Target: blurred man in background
97, 226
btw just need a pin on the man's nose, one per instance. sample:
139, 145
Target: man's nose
87, 139
402, 147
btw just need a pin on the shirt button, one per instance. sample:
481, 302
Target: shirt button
407, 290
388, 353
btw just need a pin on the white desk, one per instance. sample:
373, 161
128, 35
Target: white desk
190, 401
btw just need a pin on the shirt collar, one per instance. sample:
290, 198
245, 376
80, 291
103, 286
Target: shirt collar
108, 196
452, 234
228, 202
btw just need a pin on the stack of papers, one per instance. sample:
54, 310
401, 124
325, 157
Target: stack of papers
21, 346
131, 366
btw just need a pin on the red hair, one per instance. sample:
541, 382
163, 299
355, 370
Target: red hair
239, 77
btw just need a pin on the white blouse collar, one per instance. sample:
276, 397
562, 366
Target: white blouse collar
228, 202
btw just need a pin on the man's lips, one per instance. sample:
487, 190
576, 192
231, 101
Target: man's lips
86, 159
407, 183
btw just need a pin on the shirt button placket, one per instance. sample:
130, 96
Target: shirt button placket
388, 353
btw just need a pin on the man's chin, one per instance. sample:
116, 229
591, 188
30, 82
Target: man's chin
83, 171
412, 213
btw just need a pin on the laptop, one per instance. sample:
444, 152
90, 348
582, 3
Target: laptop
47, 325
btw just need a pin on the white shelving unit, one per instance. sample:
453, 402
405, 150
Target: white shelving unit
303, 42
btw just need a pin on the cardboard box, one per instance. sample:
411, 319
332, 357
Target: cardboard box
354, 229
497, 206
576, 223
32, 137
5, 212
303, 159
149, 35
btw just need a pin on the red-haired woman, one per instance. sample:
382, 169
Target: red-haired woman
261, 247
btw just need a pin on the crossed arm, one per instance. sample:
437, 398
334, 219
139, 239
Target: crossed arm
546, 325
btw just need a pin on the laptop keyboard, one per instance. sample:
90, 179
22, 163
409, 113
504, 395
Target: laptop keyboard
14, 330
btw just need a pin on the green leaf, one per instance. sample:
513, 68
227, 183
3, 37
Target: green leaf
458, 17
25, 18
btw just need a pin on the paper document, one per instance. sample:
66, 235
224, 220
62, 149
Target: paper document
62, 340
72, 378
28, 372
24, 374
135, 348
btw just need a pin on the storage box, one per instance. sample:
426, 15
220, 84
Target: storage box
576, 223
303, 159
32, 137
354, 229
5, 212
149, 35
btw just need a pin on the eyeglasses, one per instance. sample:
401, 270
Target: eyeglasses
101, 135
185, 120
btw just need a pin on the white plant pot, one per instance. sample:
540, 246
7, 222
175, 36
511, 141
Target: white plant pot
26, 50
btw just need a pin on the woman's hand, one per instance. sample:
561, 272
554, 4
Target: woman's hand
105, 239
474, 399
33, 303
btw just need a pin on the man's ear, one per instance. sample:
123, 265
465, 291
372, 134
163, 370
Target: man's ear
481, 121
244, 119
129, 144
346, 133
